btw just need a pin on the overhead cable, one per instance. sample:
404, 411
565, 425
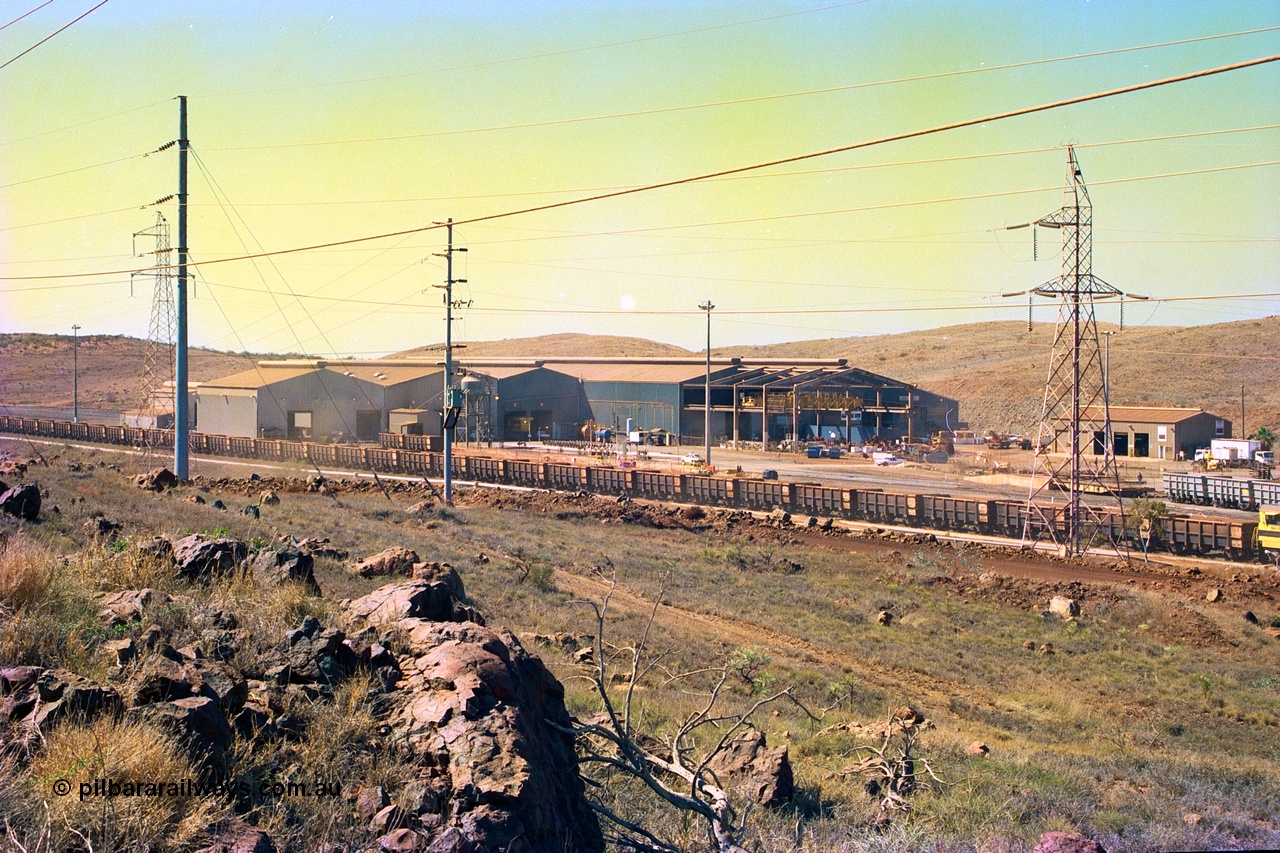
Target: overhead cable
898, 137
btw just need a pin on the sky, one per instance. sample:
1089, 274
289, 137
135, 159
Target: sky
319, 122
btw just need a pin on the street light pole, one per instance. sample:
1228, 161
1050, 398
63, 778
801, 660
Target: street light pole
75, 373
706, 426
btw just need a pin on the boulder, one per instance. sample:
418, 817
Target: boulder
435, 597
1213, 595
18, 693
64, 694
128, 605
156, 548
977, 749
370, 799
102, 528
124, 650
763, 772
196, 721
313, 655
156, 480
276, 567
1067, 608
21, 502
402, 841
321, 548
237, 837
393, 561
268, 498
486, 720
451, 840
1067, 842
200, 558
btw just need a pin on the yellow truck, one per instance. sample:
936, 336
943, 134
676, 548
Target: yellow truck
1269, 532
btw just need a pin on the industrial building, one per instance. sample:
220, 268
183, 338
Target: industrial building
311, 400
751, 400
1163, 433
1155, 432
521, 399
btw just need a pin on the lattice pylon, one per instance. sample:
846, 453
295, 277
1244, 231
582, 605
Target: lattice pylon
1074, 448
158, 356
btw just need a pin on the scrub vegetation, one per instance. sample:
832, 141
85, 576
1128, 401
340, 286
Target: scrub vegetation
1149, 722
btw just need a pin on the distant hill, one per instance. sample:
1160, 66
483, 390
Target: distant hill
996, 370
589, 346
36, 369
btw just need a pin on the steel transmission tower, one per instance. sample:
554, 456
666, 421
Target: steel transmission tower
1074, 451
159, 356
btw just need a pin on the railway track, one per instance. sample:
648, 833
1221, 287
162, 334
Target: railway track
980, 520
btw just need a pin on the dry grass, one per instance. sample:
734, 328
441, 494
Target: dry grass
1122, 732
74, 756
26, 575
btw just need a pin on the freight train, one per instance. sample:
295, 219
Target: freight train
407, 454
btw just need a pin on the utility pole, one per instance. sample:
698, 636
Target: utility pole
450, 409
706, 427
1243, 434
181, 428
76, 374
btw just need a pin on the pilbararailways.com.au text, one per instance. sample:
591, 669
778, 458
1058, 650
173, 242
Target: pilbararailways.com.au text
234, 789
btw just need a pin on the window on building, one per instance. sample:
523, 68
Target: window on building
300, 426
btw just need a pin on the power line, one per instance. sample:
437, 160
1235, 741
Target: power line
794, 173
79, 169
898, 137
546, 55
82, 123
24, 14
52, 34
731, 102
817, 309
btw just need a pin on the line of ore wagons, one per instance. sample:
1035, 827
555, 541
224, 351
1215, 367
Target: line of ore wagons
406, 454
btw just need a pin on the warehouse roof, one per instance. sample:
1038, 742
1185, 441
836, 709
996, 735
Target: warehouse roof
269, 373
1145, 414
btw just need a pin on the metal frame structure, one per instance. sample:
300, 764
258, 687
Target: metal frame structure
1075, 395
159, 358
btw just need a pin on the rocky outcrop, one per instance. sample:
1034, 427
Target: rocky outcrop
748, 764
129, 605
156, 480
393, 561
1067, 842
237, 837
200, 558
41, 698
434, 596
275, 567
21, 502
312, 655
488, 724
